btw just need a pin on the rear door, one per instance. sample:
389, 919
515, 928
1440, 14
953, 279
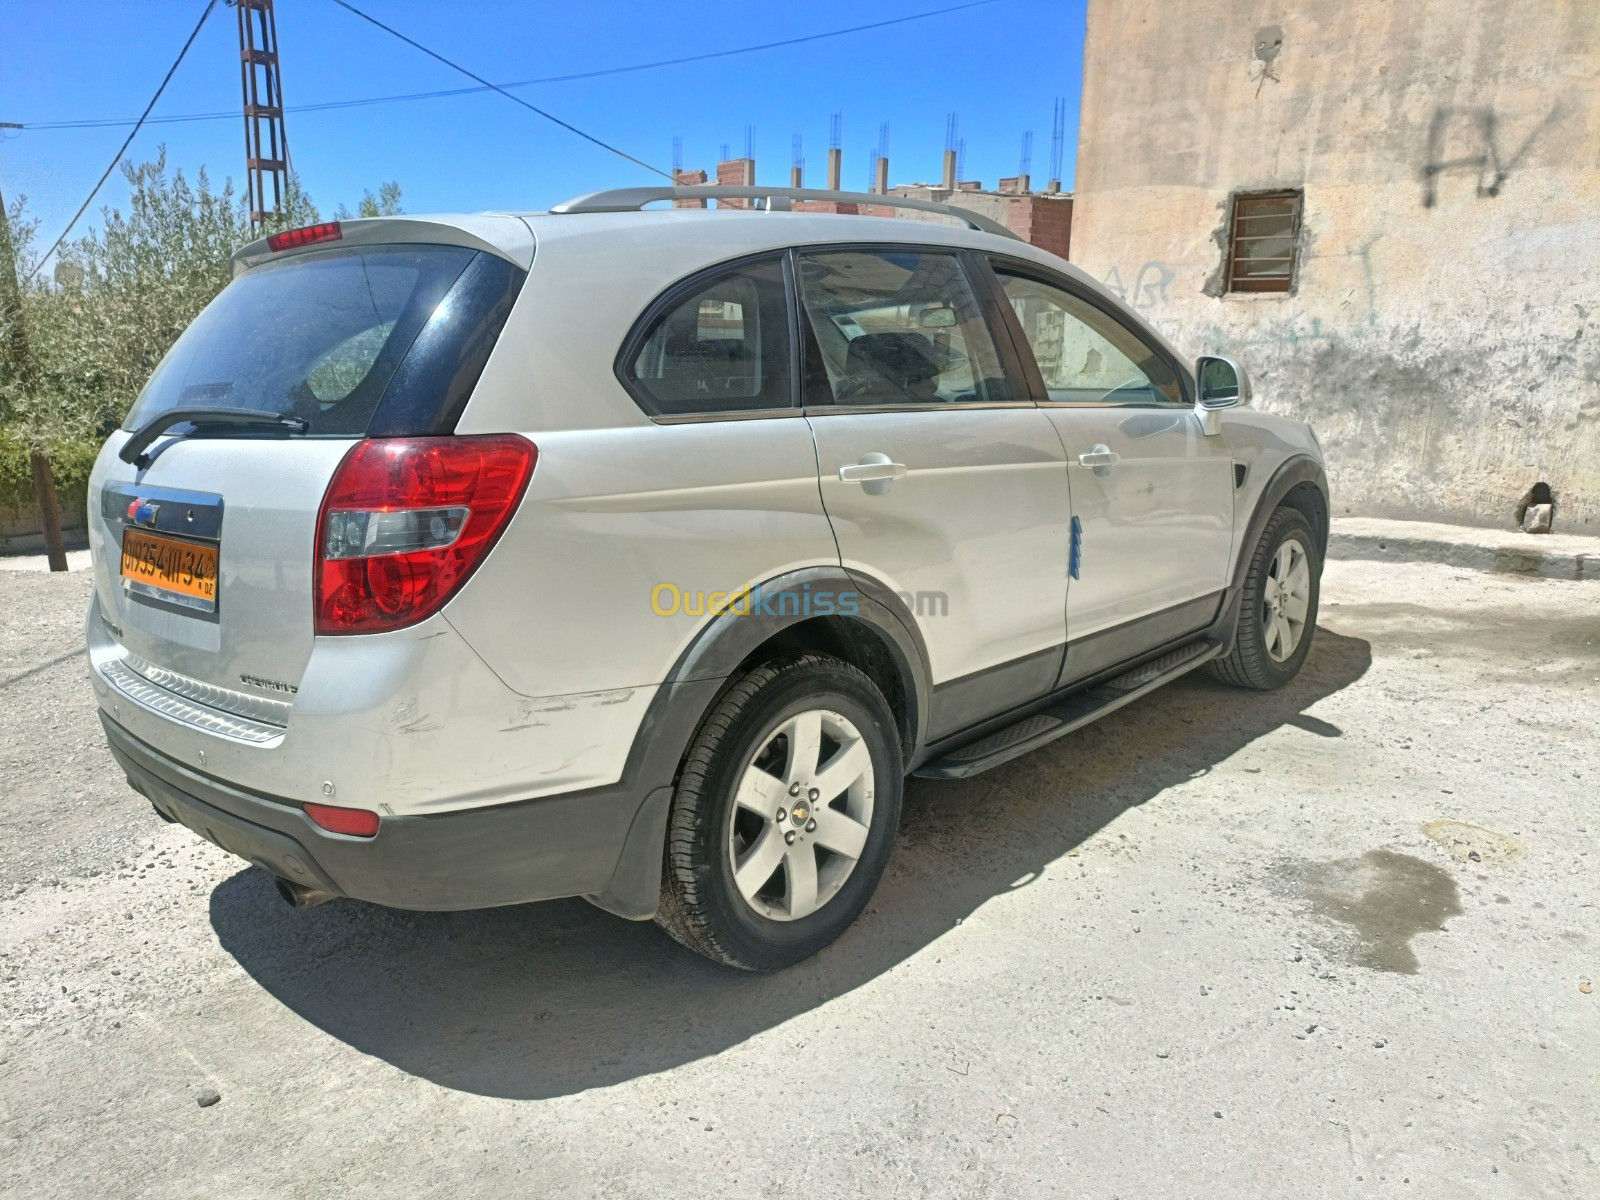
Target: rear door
939, 479
1152, 494
204, 549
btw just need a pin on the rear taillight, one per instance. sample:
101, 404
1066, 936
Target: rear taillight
306, 235
406, 520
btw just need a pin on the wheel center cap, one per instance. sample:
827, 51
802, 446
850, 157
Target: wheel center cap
800, 813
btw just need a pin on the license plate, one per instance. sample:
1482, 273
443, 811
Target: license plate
182, 573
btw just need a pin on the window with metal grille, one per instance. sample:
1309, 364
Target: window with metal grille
1261, 248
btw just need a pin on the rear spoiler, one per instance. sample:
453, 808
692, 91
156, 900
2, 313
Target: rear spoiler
504, 236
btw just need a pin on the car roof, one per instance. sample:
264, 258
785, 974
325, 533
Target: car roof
757, 229
717, 233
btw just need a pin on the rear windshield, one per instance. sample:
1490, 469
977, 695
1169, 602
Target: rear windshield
338, 338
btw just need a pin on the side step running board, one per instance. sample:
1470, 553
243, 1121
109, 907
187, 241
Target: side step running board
1061, 718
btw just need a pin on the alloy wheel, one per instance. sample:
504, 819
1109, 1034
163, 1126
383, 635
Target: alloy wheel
1285, 600
801, 815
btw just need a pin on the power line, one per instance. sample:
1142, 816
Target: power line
588, 137
132, 133
445, 93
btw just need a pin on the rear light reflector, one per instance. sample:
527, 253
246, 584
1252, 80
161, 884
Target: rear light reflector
406, 520
357, 822
306, 235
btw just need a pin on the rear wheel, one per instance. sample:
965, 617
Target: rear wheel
784, 815
1278, 608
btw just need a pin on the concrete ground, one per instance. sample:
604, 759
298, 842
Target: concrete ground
1330, 941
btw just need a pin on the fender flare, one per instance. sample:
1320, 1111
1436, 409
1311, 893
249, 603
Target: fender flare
791, 598
701, 673
1301, 468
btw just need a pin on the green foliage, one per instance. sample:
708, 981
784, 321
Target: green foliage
71, 463
118, 298
385, 204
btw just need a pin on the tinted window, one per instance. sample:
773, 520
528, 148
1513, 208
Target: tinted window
1085, 355
722, 345
320, 335
897, 327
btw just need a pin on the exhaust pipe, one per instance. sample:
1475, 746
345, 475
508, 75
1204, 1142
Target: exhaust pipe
297, 895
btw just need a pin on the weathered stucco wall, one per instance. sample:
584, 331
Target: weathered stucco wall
1443, 335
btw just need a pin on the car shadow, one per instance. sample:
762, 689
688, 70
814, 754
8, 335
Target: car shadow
550, 999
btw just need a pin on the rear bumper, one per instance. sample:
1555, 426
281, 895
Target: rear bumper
544, 849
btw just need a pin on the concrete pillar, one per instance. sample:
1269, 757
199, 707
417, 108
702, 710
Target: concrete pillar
882, 184
949, 183
688, 179
835, 168
736, 172
796, 177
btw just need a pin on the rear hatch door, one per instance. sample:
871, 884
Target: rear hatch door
204, 545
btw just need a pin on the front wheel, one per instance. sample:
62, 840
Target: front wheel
1278, 607
784, 815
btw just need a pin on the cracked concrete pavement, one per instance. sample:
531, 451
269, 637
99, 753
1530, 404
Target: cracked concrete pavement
1330, 941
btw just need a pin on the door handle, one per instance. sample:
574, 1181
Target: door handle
875, 473
1102, 458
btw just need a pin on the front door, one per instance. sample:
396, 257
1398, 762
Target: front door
939, 479
1152, 494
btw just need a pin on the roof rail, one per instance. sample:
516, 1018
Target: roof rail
778, 200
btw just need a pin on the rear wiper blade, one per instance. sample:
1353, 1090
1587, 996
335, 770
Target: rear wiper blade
133, 451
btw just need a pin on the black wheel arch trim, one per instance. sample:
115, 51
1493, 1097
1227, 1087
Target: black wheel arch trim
792, 599
699, 676
1299, 469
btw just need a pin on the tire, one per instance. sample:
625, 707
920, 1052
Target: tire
725, 825
1266, 611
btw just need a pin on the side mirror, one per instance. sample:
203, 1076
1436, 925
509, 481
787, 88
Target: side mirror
943, 317
1222, 384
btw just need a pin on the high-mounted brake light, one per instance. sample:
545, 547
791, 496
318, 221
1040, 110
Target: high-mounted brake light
306, 235
406, 520
357, 822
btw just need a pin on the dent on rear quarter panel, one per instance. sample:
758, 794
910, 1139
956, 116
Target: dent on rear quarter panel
422, 725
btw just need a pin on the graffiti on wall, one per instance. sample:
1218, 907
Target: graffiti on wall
1149, 288
1466, 141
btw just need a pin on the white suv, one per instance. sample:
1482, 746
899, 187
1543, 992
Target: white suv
449, 562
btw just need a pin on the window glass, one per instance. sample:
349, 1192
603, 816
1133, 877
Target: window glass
316, 335
1085, 355
897, 327
724, 347
1261, 248
341, 370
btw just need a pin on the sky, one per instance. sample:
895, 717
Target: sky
1000, 66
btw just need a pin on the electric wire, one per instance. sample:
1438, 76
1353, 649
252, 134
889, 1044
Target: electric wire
121, 150
534, 108
446, 93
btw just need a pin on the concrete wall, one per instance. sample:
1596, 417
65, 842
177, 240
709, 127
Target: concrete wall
1443, 335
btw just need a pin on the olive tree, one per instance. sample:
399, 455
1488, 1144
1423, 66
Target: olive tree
79, 343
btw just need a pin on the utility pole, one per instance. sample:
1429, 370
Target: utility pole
266, 147
22, 368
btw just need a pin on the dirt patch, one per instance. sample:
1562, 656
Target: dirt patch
1472, 843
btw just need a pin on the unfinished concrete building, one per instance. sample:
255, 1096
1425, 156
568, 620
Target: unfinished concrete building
1043, 218
1389, 212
